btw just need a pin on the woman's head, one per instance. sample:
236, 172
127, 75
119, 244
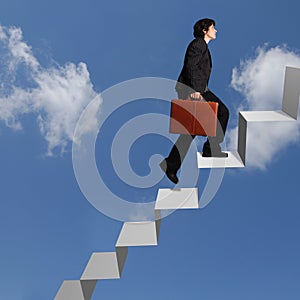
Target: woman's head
202, 26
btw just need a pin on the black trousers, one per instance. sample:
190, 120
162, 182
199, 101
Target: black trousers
182, 145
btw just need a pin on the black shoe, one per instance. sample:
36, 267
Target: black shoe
215, 154
172, 176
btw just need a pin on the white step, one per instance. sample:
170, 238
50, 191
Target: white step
103, 265
138, 234
265, 116
232, 161
76, 290
183, 198
291, 92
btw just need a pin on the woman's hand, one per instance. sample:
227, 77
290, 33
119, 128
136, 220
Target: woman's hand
197, 96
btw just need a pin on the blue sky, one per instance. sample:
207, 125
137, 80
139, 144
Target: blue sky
243, 245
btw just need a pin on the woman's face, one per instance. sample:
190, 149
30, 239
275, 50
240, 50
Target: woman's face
211, 33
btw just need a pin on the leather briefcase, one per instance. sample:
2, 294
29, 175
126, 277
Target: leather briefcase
193, 117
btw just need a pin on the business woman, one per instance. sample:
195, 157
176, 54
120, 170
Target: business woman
193, 82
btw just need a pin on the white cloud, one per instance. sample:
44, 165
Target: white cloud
56, 95
260, 80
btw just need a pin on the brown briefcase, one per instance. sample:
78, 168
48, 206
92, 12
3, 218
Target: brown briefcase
193, 117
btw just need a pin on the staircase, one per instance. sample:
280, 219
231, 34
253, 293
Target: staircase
109, 265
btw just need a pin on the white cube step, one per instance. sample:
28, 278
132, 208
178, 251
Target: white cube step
232, 161
76, 290
266, 116
137, 234
183, 198
103, 265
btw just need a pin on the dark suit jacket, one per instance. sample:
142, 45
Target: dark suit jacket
196, 69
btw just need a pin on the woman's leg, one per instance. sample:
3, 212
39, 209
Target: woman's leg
178, 152
212, 143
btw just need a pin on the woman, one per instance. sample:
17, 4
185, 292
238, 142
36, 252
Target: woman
193, 82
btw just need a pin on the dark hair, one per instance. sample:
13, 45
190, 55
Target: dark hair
201, 25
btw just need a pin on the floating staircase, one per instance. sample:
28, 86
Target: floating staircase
109, 265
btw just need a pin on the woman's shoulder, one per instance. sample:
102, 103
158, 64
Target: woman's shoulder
198, 43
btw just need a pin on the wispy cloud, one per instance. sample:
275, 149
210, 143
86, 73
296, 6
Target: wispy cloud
260, 80
55, 95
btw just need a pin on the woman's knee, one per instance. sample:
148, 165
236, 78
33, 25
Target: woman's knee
223, 110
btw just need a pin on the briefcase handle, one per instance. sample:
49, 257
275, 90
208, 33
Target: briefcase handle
195, 99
